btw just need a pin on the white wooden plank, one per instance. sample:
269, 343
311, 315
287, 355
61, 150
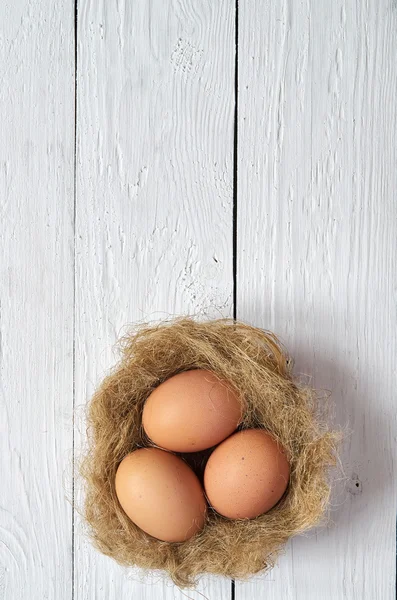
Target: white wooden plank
317, 262
36, 298
154, 200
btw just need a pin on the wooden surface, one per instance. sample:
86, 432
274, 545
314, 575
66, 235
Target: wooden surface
317, 260
141, 228
154, 198
36, 299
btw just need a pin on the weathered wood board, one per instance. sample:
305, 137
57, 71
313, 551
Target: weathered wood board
36, 299
317, 260
154, 198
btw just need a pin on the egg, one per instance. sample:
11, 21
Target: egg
160, 493
246, 475
191, 411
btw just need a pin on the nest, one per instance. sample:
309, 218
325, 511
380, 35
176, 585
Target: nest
255, 364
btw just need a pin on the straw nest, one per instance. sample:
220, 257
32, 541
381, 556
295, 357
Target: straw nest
253, 361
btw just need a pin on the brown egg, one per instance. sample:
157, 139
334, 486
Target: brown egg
246, 475
161, 494
191, 411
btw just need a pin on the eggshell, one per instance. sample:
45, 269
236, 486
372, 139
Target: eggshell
160, 493
246, 475
191, 411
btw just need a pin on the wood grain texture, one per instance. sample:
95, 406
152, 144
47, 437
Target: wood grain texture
154, 201
36, 299
316, 251
317, 262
